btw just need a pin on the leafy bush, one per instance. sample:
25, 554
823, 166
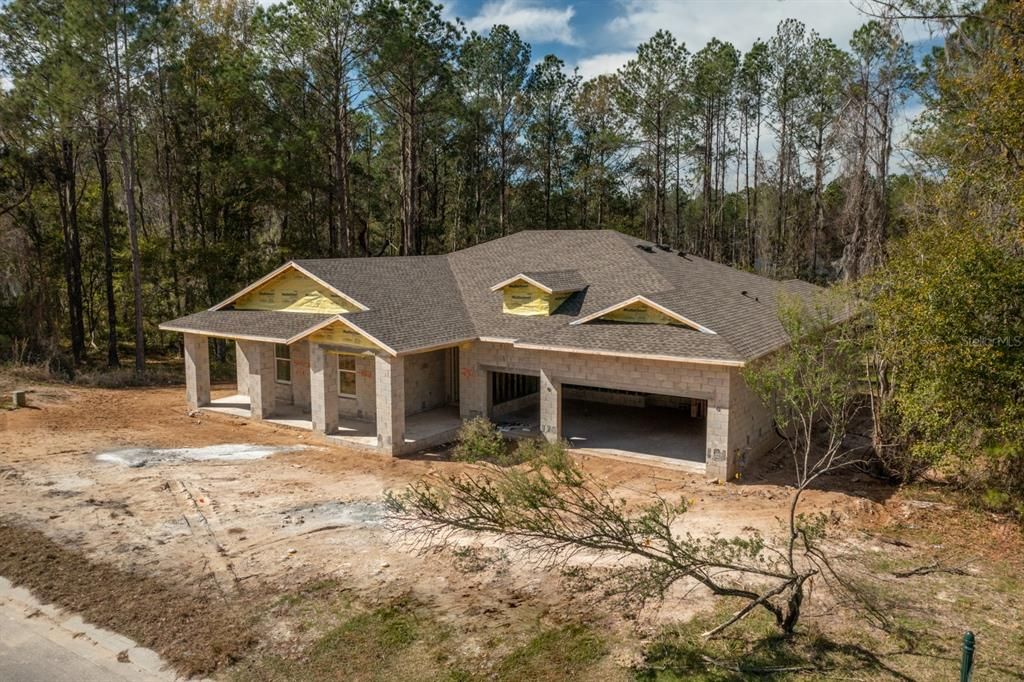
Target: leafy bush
479, 440
538, 449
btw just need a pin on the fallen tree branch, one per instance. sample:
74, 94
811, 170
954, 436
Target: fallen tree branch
929, 569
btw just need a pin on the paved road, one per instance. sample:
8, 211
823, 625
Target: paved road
40, 643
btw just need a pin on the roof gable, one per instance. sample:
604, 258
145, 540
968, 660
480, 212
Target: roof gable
642, 310
291, 289
342, 332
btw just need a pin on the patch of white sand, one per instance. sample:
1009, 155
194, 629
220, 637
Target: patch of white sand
231, 452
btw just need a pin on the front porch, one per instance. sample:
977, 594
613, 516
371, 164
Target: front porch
422, 430
352, 396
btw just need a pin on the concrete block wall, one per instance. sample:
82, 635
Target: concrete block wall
605, 397
688, 380
751, 432
364, 405
739, 427
425, 387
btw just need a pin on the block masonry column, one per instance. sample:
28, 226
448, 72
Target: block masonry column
390, 380
301, 396
323, 389
241, 371
259, 357
720, 461
197, 371
474, 389
550, 407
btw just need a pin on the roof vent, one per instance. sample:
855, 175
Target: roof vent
665, 247
744, 293
682, 254
645, 247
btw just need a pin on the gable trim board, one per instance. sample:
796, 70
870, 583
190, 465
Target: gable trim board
290, 265
345, 322
648, 302
529, 280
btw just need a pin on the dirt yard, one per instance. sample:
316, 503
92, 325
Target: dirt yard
264, 533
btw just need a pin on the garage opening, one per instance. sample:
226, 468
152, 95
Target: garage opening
515, 403
635, 423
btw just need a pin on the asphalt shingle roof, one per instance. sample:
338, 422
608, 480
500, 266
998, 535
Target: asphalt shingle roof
559, 281
276, 326
421, 301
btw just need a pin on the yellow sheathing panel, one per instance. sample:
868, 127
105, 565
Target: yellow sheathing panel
522, 298
640, 313
339, 333
291, 291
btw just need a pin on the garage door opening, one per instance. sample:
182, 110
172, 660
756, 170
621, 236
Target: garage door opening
515, 403
634, 423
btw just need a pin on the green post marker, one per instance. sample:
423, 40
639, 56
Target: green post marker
967, 660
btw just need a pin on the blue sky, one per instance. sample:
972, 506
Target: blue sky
598, 36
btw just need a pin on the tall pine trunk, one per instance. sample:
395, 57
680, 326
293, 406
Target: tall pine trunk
113, 359
126, 145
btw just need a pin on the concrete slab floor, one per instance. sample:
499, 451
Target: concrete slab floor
617, 430
361, 432
658, 431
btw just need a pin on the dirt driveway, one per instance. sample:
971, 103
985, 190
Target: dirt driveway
295, 515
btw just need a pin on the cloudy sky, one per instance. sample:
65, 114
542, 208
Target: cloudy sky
599, 36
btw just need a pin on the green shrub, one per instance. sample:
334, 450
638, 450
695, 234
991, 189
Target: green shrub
479, 440
996, 500
534, 449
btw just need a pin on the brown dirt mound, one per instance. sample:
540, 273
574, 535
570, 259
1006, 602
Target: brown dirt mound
191, 626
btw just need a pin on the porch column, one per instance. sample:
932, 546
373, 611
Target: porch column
474, 388
241, 371
301, 375
323, 389
197, 371
259, 357
390, 379
550, 407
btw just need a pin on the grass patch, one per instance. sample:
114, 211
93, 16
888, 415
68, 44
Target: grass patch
754, 649
397, 641
403, 639
569, 652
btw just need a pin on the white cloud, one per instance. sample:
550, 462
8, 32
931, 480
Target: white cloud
606, 62
534, 22
740, 22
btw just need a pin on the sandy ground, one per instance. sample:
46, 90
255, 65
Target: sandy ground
307, 513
